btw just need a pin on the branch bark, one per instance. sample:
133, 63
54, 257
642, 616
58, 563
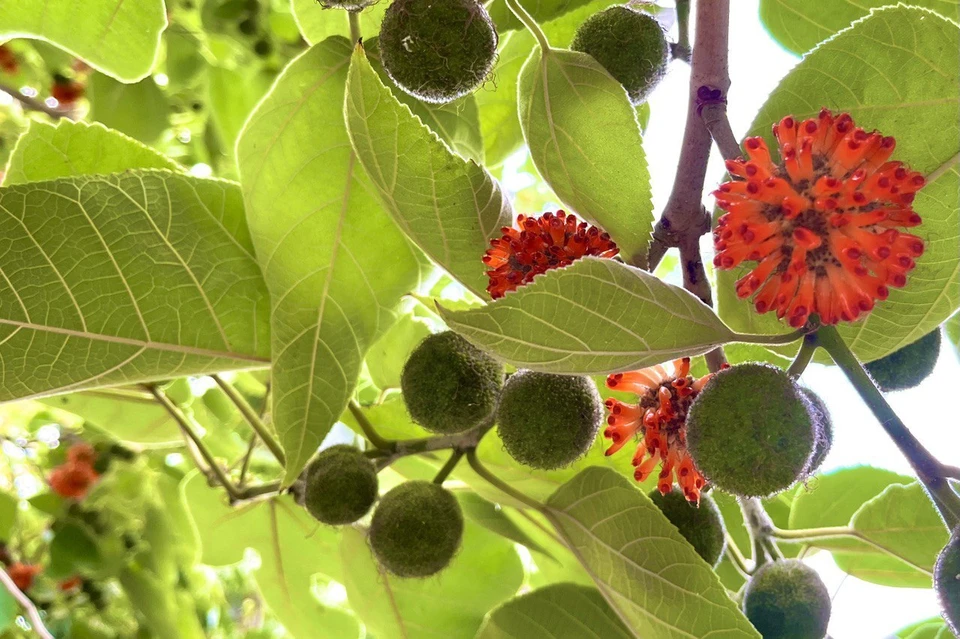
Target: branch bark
32, 614
32, 104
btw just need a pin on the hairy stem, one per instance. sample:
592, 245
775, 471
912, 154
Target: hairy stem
402, 448
368, 429
804, 355
517, 9
252, 418
773, 340
448, 467
499, 484
354, 18
929, 470
813, 535
681, 50
736, 557
759, 524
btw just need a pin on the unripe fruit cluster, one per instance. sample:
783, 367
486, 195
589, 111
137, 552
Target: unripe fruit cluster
787, 600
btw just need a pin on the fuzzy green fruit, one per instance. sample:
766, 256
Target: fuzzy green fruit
629, 44
437, 50
548, 421
702, 527
787, 600
750, 431
416, 529
449, 385
946, 581
340, 485
907, 367
824, 425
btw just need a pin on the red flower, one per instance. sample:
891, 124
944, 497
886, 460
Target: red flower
659, 419
82, 454
824, 225
23, 574
8, 60
70, 584
66, 91
542, 243
73, 480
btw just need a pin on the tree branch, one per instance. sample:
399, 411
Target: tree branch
27, 605
32, 104
252, 418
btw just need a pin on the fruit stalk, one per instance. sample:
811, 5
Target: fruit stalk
252, 419
517, 9
929, 470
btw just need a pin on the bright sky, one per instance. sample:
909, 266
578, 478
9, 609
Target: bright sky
861, 610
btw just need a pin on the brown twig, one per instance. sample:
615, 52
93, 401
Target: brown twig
27, 605
32, 104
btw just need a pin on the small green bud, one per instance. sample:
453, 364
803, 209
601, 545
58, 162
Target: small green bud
702, 527
750, 430
437, 50
416, 529
450, 385
907, 367
548, 421
629, 44
787, 600
340, 485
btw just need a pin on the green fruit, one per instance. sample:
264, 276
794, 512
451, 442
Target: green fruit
437, 50
907, 367
946, 581
349, 5
548, 421
629, 44
824, 424
340, 485
750, 431
787, 600
416, 529
449, 385
702, 527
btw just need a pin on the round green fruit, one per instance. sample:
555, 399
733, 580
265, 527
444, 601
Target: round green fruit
750, 431
340, 485
416, 529
450, 385
787, 600
629, 44
907, 367
437, 50
702, 527
946, 581
548, 421
824, 425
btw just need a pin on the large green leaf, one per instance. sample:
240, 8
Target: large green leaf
799, 25
594, 163
499, 119
318, 23
494, 518
649, 574
94, 266
47, 152
293, 548
560, 611
933, 628
127, 416
541, 10
139, 110
119, 38
951, 329
901, 519
908, 89
9, 507
484, 572
313, 218
448, 205
595, 316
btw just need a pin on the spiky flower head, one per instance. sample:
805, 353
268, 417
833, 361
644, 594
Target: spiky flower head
552, 240
824, 226
658, 419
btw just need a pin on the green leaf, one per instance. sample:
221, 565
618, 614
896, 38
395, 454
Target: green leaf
833, 498
73, 550
119, 38
161, 610
9, 507
139, 110
596, 316
9, 609
387, 356
88, 291
585, 141
541, 10
47, 152
951, 329
448, 206
560, 611
390, 417
293, 548
644, 568
484, 572
908, 90
933, 628
494, 518
129, 417
901, 519
313, 218
799, 25
317, 23
233, 93
499, 120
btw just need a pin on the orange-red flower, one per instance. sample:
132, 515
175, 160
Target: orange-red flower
82, 454
66, 91
824, 225
659, 419
542, 243
23, 574
8, 60
72, 480
71, 583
